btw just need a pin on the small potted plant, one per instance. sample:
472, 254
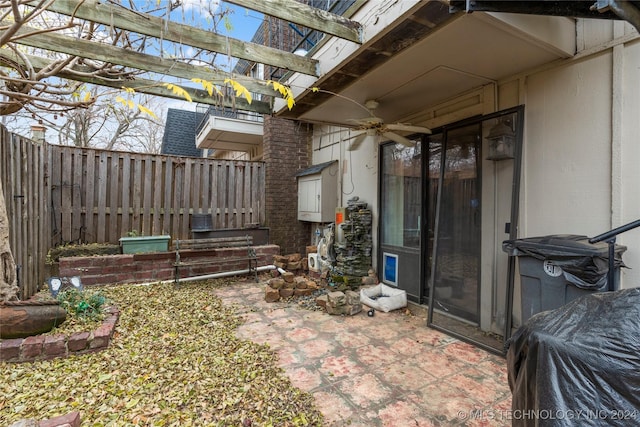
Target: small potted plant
136, 243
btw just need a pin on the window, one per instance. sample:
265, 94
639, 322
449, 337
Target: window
401, 195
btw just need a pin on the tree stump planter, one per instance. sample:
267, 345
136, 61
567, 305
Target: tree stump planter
19, 319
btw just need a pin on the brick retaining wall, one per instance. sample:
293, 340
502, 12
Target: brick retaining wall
43, 347
138, 268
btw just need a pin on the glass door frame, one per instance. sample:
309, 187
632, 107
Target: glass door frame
403, 251
515, 203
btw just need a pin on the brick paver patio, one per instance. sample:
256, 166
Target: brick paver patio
385, 370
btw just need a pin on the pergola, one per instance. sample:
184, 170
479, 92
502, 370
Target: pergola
110, 14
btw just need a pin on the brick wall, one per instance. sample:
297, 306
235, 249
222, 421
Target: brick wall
44, 347
286, 152
140, 268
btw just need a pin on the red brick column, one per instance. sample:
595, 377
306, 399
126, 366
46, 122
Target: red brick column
286, 152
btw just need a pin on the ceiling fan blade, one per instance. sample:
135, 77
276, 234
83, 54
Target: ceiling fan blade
367, 122
357, 140
408, 128
399, 139
356, 134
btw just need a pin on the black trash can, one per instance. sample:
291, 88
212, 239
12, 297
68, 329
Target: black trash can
558, 269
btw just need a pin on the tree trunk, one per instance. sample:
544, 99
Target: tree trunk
8, 282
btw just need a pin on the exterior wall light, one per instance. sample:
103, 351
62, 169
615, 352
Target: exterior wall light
501, 141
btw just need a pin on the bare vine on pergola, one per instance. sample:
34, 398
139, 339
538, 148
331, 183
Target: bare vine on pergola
55, 85
27, 86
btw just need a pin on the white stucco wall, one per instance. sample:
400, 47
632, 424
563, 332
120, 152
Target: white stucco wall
581, 150
567, 150
358, 170
630, 161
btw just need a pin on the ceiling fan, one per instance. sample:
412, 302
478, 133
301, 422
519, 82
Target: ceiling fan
372, 126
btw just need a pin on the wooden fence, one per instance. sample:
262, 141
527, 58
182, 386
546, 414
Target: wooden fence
100, 196
58, 195
23, 171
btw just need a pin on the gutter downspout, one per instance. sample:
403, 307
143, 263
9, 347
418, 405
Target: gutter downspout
624, 9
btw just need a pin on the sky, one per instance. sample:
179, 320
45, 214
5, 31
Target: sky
243, 21
243, 24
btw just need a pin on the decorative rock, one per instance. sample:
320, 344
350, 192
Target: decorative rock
336, 299
311, 249
280, 259
353, 254
345, 310
288, 277
346, 304
294, 265
294, 257
280, 264
301, 282
353, 298
302, 292
286, 292
271, 294
322, 301
308, 302
311, 284
354, 309
335, 310
276, 283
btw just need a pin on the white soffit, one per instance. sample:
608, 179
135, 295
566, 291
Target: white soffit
469, 52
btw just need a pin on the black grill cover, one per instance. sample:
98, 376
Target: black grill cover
578, 365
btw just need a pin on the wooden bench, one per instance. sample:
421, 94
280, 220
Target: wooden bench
203, 247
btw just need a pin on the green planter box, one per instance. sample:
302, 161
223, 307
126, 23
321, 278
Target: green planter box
143, 244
